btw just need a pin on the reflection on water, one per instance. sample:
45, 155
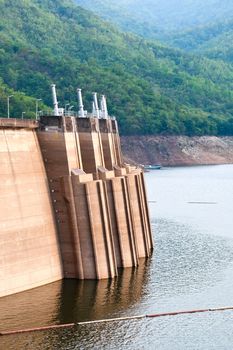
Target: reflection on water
32, 308
191, 267
90, 300
70, 301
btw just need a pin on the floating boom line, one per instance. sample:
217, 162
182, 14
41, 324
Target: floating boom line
117, 319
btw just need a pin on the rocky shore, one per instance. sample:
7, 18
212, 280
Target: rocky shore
177, 150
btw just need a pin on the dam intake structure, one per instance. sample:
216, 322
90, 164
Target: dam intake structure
69, 206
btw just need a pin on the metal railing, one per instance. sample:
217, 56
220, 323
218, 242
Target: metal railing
70, 114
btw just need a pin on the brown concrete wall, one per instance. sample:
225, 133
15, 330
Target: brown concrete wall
29, 250
90, 144
146, 215
139, 211
61, 153
108, 144
91, 227
83, 224
129, 214
116, 141
121, 220
100, 224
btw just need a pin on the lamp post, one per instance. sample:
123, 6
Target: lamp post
23, 114
69, 110
37, 103
8, 105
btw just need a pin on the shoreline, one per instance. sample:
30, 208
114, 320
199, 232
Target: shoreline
178, 150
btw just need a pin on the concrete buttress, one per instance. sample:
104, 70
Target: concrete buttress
69, 206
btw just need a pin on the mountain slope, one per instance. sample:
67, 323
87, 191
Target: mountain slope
204, 27
150, 88
213, 40
20, 105
152, 18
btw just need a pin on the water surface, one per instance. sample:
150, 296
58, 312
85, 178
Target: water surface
191, 267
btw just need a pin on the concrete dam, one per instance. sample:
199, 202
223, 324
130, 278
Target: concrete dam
69, 206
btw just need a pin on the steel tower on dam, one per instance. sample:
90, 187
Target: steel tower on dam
69, 206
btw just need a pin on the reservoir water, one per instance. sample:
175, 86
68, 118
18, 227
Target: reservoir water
192, 267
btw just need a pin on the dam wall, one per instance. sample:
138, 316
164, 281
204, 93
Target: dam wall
88, 210
29, 249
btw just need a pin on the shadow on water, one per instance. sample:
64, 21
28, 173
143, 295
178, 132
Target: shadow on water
72, 300
68, 301
90, 300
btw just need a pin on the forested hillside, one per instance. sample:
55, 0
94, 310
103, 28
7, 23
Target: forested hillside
204, 27
156, 18
20, 104
150, 88
214, 41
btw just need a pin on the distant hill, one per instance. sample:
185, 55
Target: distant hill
154, 18
214, 40
204, 27
150, 88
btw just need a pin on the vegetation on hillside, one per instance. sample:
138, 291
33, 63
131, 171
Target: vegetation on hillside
150, 88
204, 27
212, 40
20, 105
159, 18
